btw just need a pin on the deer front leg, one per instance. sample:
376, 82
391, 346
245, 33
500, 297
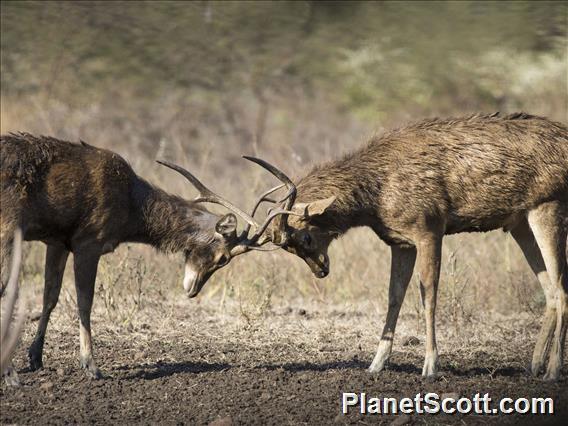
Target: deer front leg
55, 260
429, 258
85, 266
402, 264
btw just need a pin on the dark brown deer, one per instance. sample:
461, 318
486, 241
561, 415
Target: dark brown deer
80, 199
416, 184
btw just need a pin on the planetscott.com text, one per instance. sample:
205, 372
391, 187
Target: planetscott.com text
432, 403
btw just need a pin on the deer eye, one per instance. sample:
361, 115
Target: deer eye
307, 240
223, 260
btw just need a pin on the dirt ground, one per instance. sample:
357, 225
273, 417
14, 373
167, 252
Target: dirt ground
198, 363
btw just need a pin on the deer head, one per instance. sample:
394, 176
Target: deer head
220, 242
299, 230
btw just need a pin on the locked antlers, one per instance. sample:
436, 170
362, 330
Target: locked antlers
245, 242
290, 198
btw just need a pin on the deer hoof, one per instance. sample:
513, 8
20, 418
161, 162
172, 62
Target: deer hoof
553, 370
94, 374
430, 368
35, 361
431, 378
91, 369
11, 377
376, 368
430, 374
551, 376
35, 364
536, 369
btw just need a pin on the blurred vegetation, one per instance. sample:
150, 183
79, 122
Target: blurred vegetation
204, 82
376, 58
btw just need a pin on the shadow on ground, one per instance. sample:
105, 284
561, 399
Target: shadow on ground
160, 369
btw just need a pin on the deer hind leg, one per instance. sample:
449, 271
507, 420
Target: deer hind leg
7, 228
526, 241
9, 374
55, 260
11, 216
550, 234
6, 241
402, 264
429, 259
5, 256
85, 266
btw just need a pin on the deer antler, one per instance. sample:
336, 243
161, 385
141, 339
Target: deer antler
290, 197
263, 197
9, 336
206, 195
286, 181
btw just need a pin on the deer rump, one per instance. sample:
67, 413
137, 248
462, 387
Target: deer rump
59, 190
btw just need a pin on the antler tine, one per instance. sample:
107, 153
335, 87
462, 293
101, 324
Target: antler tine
250, 243
270, 247
9, 338
244, 248
263, 197
280, 175
290, 197
206, 195
273, 213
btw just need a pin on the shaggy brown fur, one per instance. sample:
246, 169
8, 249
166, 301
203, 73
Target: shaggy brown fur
415, 184
68, 192
77, 198
476, 171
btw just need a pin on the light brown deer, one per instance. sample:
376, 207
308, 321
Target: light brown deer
80, 199
416, 184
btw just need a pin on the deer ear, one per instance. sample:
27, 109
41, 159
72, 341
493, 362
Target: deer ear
227, 226
315, 207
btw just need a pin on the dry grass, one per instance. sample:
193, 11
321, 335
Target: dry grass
482, 272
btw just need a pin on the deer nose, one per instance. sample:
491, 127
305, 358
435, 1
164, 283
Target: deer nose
323, 261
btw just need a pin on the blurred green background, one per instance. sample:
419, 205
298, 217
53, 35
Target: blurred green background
372, 58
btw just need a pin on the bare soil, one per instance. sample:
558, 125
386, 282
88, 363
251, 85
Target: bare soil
197, 363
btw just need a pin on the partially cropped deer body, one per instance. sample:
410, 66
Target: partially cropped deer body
416, 184
80, 199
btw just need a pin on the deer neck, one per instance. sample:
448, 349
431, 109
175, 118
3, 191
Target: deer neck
167, 222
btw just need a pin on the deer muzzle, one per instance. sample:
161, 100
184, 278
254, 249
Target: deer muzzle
319, 265
192, 282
